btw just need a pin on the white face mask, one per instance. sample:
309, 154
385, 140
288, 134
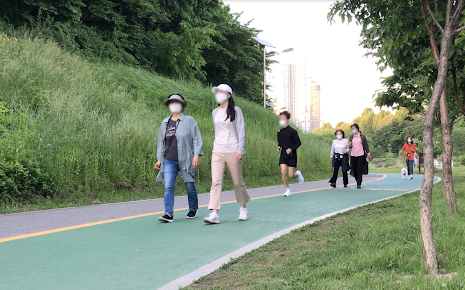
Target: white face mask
221, 98
175, 108
282, 123
339, 136
409, 140
354, 131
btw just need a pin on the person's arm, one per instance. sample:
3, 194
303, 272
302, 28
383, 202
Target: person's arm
240, 130
297, 142
366, 147
197, 142
279, 143
403, 149
160, 143
197, 139
332, 150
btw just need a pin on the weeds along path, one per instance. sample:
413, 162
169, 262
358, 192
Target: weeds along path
123, 246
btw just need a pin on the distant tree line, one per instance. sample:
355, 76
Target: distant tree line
188, 40
387, 133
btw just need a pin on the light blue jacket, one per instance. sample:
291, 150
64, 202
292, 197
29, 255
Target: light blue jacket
189, 144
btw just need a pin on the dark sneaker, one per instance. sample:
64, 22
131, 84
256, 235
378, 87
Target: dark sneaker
333, 185
345, 185
359, 187
166, 218
191, 214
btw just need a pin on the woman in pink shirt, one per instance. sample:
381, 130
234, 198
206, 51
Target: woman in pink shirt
358, 154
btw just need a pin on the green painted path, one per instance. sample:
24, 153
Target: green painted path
141, 253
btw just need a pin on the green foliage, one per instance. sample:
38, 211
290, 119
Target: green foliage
458, 138
94, 126
462, 160
21, 176
192, 40
393, 32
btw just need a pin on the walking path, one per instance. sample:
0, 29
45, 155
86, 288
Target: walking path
123, 246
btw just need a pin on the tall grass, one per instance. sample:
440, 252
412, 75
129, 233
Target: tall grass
94, 125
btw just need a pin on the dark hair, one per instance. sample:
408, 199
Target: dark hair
406, 140
356, 126
230, 110
285, 113
183, 105
343, 134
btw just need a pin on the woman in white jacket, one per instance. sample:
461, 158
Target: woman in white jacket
340, 158
228, 150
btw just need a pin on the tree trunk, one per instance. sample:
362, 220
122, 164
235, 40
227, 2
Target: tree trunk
429, 248
449, 191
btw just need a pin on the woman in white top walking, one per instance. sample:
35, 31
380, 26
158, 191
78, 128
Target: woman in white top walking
228, 150
340, 158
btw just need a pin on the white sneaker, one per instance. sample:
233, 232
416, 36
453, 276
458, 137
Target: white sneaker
411, 176
300, 177
288, 192
213, 218
243, 212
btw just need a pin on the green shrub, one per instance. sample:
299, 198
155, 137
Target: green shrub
462, 160
21, 177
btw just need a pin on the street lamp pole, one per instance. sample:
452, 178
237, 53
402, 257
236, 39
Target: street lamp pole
264, 77
263, 44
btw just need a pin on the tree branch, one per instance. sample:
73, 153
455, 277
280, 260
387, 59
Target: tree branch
457, 58
460, 29
430, 30
460, 104
448, 11
428, 7
457, 12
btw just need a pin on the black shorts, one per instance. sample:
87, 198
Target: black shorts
291, 162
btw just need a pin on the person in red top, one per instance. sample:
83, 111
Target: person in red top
409, 150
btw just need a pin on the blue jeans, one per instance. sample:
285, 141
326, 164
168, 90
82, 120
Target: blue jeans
170, 171
410, 166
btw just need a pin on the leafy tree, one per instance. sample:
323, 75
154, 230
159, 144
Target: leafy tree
179, 39
344, 127
392, 32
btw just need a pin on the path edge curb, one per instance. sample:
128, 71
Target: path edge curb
189, 278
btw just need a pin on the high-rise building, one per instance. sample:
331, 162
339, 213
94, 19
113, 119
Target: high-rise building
313, 105
288, 89
291, 90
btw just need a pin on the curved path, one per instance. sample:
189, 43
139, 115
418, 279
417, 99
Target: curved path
123, 246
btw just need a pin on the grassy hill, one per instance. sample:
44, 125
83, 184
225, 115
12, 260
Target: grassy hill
76, 132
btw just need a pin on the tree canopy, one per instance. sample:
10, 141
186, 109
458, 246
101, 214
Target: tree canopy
180, 39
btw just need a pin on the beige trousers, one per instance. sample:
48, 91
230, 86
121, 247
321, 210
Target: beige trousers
219, 160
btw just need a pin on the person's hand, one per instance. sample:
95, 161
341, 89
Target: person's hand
157, 165
288, 150
331, 159
344, 151
350, 144
369, 156
195, 161
413, 150
239, 156
279, 149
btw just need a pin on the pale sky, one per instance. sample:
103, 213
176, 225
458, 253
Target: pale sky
333, 58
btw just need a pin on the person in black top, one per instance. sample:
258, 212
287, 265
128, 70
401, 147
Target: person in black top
288, 142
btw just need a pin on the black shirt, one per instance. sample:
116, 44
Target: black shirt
288, 138
171, 147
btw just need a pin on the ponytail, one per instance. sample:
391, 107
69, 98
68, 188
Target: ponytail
230, 110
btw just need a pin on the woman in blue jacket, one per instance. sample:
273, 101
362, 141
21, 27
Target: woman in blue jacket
178, 151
